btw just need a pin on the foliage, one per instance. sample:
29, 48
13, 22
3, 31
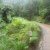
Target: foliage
43, 12
27, 9
18, 34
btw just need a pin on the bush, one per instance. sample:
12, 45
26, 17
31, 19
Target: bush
20, 33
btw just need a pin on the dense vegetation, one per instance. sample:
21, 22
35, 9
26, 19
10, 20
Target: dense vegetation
37, 10
19, 22
19, 34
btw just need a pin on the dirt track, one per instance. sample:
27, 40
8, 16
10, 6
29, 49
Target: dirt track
45, 41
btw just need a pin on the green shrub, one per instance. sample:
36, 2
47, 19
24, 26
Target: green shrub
19, 34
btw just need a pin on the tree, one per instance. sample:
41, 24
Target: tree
5, 12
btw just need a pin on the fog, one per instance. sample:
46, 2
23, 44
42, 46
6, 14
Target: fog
7, 2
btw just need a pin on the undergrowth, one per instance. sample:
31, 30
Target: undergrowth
19, 34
